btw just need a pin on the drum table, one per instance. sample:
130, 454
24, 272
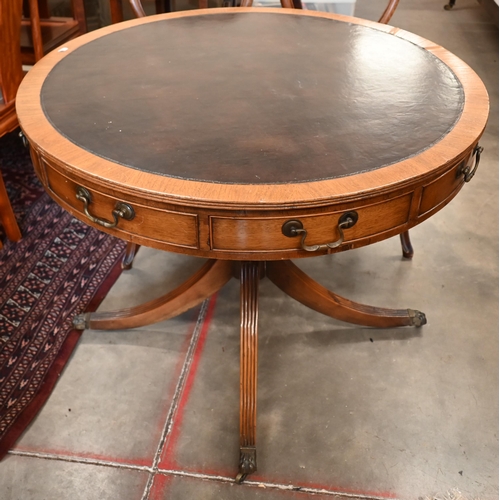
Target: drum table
251, 137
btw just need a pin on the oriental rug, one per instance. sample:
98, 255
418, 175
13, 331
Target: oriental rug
60, 268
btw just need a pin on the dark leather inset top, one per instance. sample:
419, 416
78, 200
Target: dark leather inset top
252, 98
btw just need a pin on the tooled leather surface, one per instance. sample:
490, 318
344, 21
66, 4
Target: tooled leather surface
252, 98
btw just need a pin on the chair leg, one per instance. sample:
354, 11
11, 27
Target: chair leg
406, 245
129, 256
7, 216
78, 7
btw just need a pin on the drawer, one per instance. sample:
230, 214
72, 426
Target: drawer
440, 191
265, 233
175, 228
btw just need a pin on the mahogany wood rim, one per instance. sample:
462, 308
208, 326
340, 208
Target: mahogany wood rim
117, 178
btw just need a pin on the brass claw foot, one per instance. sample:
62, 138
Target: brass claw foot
248, 463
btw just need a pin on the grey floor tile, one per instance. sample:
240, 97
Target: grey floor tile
177, 488
113, 397
26, 478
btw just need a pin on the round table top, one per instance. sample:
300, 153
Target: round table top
259, 103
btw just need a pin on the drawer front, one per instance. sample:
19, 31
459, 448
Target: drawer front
440, 191
261, 234
175, 228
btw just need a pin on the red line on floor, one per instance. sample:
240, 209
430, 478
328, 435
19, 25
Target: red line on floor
168, 462
175, 377
160, 483
139, 462
331, 487
167, 457
256, 478
230, 473
335, 488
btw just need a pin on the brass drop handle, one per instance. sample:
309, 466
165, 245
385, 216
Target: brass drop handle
467, 171
123, 210
293, 228
23, 139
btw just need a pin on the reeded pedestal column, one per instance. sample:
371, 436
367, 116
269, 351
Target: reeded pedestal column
249, 290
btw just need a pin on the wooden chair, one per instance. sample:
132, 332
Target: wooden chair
41, 32
138, 10
11, 74
161, 6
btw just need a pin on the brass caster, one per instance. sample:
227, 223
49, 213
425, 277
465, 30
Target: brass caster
418, 318
248, 463
240, 477
81, 321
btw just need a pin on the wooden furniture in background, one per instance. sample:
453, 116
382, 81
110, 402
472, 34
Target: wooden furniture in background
364, 161
161, 7
11, 74
41, 32
136, 5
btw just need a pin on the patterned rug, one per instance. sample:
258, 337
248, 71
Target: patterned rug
60, 268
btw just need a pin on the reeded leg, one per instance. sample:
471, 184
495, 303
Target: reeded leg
406, 245
294, 282
249, 289
208, 280
129, 256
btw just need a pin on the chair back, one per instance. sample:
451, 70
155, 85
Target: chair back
11, 69
287, 4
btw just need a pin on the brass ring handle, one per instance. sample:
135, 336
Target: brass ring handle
467, 171
123, 210
293, 228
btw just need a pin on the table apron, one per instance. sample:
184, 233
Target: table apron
251, 234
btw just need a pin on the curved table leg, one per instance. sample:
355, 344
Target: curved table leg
294, 282
130, 253
249, 289
406, 245
209, 279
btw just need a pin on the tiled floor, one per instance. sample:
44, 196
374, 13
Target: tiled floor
344, 411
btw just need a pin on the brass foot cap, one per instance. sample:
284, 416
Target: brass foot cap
248, 462
81, 321
417, 318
